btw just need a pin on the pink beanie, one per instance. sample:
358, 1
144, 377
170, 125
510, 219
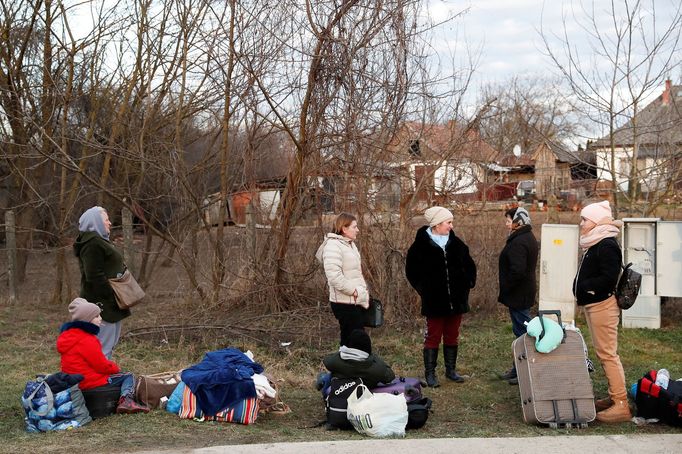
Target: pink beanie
596, 212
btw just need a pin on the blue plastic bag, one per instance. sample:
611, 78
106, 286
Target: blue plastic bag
175, 401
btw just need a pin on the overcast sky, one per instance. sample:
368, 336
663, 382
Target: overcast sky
507, 32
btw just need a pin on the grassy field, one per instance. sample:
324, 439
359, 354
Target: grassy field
481, 407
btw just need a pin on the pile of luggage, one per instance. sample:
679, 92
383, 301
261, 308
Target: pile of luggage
555, 385
387, 410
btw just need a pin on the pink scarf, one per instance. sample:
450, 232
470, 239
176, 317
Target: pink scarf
606, 228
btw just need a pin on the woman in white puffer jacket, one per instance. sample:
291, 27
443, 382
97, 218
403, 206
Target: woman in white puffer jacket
347, 287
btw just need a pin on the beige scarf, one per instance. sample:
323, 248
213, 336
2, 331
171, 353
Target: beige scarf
606, 228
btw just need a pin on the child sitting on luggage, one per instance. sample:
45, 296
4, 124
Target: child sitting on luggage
81, 353
355, 360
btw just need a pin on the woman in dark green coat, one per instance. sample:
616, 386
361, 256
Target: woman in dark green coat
99, 261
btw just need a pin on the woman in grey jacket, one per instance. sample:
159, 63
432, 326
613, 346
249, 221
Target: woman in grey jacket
341, 260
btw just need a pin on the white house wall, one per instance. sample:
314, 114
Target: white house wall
652, 171
269, 201
603, 162
451, 178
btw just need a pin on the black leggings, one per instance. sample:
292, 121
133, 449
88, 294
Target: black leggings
350, 317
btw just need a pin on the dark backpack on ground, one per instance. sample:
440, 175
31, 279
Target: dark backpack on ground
337, 401
418, 413
628, 286
656, 402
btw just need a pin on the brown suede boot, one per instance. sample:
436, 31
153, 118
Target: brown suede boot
619, 412
603, 404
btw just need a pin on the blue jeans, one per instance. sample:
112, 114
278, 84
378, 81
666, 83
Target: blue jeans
127, 382
518, 317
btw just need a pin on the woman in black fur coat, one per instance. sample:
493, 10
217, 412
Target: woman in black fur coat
441, 270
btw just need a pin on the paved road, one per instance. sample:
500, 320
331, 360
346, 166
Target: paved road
609, 444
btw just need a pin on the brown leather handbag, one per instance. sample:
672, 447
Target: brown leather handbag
128, 291
150, 389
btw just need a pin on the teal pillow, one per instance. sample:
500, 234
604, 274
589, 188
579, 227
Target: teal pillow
553, 334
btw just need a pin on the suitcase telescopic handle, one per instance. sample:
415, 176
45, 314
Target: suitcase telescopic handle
542, 323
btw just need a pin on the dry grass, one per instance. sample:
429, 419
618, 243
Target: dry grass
176, 330
482, 407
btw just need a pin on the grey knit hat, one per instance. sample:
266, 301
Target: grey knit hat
83, 310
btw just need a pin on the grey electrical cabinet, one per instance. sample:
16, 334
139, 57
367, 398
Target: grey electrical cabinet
655, 249
558, 265
669, 259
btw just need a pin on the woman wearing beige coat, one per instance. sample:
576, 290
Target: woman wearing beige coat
341, 260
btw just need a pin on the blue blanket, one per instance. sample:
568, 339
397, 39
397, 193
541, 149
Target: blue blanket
221, 379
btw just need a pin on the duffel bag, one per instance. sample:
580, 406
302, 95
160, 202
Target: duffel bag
409, 386
47, 411
243, 412
659, 403
149, 389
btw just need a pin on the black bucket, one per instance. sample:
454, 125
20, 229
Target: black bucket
102, 401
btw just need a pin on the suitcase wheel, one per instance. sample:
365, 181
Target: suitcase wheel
553, 425
583, 425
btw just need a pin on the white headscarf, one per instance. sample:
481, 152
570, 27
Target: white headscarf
91, 221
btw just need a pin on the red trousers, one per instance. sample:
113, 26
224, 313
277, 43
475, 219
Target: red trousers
446, 328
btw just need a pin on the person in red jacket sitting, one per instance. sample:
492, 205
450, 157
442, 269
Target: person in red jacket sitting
81, 353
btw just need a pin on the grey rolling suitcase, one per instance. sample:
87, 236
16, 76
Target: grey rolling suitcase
555, 387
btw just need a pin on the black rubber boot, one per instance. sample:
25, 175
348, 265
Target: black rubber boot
430, 361
508, 375
450, 359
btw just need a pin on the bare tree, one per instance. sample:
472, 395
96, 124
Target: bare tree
527, 112
633, 47
156, 105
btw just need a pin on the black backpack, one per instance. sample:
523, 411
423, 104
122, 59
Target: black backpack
418, 413
627, 288
337, 401
656, 402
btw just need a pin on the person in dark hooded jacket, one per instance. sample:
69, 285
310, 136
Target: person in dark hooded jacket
99, 261
440, 269
517, 264
356, 360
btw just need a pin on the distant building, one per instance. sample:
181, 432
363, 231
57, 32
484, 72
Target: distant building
655, 134
437, 163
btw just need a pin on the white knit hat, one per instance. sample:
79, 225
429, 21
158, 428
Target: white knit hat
597, 211
436, 215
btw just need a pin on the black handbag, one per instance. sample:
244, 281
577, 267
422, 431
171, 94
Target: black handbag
374, 315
